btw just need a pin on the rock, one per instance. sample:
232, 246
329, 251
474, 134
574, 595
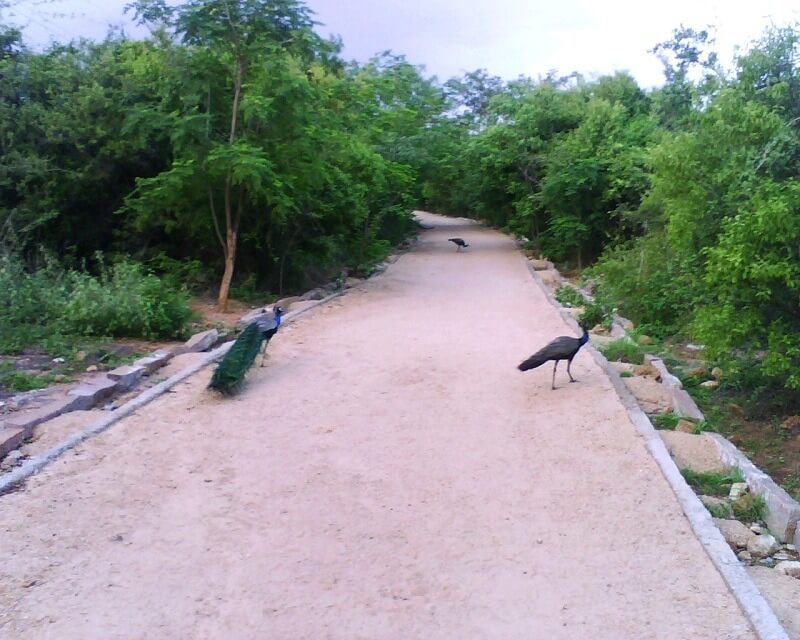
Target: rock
684, 406
198, 342
767, 562
763, 545
744, 556
94, 391
666, 377
154, 361
58, 360
791, 424
736, 408
735, 533
11, 460
738, 489
314, 294
790, 547
652, 396
690, 451
783, 556
92, 368
695, 347
81, 356
685, 426
697, 372
392, 258
758, 529
716, 372
789, 568
644, 339
126, 376
349, 283
710, 384
647, 371
540, 265
600, 330
718, 507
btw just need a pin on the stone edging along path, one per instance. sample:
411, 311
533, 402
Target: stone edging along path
755, 607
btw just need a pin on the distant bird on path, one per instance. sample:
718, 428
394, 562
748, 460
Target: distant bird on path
458, 242
562, 348
229, 374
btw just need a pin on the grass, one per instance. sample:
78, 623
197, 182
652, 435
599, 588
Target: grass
721, 511
623, 350
712, 483
569, 296
17, 381
666, 421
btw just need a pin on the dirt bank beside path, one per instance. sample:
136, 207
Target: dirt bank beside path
389, 475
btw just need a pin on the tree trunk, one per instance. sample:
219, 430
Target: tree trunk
227, 276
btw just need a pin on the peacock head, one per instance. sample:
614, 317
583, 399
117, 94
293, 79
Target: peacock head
278, 311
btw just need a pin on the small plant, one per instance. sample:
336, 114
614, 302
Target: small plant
721, 511
13, 380
623, 350
569, 296
712, 483
626, 374
750, 508
666, 421
595, 314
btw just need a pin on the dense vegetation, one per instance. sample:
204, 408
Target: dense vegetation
236, 148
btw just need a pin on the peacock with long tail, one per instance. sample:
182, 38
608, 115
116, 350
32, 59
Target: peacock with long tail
230, 372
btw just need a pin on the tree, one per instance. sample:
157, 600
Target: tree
231, 45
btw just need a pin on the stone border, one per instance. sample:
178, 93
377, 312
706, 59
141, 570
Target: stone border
35, 464
756, 609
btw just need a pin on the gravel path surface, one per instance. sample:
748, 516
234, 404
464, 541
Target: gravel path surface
388, 475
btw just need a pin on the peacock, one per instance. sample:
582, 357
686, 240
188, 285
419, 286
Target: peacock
459, 242
561, 348
230, 372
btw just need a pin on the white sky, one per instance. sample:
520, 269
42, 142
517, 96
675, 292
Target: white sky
507, 37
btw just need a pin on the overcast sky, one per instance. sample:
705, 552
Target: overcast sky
507, 37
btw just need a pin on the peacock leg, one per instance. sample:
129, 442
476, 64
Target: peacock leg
569, 364
553, 383
264, 352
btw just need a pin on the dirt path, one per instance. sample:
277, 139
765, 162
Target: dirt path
389, 475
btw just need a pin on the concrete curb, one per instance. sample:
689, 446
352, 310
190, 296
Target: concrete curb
755, 608
37, 463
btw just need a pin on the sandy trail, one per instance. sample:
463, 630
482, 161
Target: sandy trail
389, 475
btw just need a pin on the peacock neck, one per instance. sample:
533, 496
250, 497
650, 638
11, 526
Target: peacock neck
585, 336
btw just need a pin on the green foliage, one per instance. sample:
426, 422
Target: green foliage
623, 350
595, 314
124, 300
569, 296
13, 380
712, 483
46, 306
230, 372
667, 421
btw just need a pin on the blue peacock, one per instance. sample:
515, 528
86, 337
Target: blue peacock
230, 372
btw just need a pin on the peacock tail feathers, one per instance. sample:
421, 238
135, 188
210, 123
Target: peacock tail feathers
230, 372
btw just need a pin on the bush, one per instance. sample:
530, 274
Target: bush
623, 350
594, 314
46, 306
125, 301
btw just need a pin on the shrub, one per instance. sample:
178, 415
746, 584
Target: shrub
125, 301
